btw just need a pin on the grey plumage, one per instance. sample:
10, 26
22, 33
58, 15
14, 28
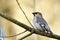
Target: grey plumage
40, 23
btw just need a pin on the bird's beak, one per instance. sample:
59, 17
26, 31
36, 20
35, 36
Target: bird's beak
33, 14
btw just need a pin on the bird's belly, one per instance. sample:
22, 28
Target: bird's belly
37, 26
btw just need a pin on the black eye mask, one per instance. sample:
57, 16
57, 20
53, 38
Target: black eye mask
36, 13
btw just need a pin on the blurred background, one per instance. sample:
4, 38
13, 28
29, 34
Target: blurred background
49, 8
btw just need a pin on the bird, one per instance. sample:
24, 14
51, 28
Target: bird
39, 23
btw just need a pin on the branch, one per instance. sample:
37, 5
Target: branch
29, 28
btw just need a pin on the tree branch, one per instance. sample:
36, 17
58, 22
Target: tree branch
29, 28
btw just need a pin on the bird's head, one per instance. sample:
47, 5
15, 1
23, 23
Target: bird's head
37, 13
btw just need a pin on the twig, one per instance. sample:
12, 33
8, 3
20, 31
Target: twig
12, 35
29, 28
26, 36
24, 13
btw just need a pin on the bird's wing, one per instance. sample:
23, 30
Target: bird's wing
41, 21
36, 25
